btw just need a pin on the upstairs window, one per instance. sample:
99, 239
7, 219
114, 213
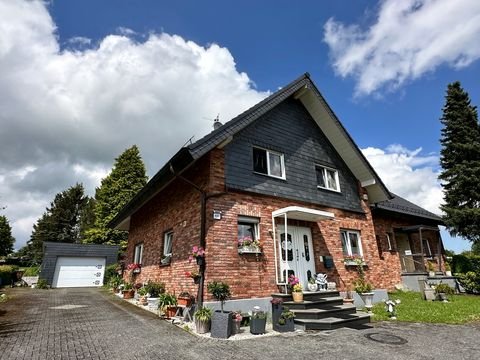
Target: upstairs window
268, 162
351, 243
138, 254
327, 178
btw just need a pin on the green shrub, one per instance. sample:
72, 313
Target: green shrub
32, 271
6, 274
42, 284
470, 282
465, 263
444, 288
110, 272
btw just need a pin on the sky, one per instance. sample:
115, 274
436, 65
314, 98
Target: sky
81, 81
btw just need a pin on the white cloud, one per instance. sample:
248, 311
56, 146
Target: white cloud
409, 174
65, 114
408, 39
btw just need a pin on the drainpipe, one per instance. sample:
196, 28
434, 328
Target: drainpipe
203, 219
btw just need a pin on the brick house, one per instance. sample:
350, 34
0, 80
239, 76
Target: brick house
286, 174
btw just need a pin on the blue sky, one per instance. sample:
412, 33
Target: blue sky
112, 68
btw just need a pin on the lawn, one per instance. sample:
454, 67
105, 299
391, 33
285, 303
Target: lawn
460, 309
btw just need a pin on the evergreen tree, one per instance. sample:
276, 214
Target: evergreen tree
59, 223
116, 190
6, 238
460, 160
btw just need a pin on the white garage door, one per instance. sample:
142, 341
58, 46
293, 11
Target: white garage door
79, 272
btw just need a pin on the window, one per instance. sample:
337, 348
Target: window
351, 243
167, 243
138, 253
426, 248
327, 178
268, 162
248, 231
389, 242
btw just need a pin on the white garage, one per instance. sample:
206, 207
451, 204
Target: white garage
78, 271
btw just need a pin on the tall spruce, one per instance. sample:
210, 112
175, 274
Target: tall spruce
116, 190
6, 238
460, 160
59, 223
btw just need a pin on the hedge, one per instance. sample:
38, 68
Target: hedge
465, 263
6, 273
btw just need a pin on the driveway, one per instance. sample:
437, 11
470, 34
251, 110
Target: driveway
92, 324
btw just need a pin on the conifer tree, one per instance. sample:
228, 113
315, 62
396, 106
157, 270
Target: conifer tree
116, 190
460, 161
6, 238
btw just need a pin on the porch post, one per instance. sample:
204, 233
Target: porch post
275, 250
439, 251
421, 248
286, 251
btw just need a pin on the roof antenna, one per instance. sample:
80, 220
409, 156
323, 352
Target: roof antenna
216, 122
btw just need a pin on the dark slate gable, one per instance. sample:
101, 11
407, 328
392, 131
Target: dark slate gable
289, 129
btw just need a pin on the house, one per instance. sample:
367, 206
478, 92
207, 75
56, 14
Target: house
286, 174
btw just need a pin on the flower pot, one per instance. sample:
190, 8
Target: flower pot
348, 301
287, 327
236, 326
276, 312
367, 298
186, 301
153, 303
128, 294
202, 327
142, 300
221, 324
312, 287
257, 326
170, 311
448, 273
297, 296
442, 297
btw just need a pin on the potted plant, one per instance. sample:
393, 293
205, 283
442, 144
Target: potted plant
128, 291
247, 245
185, 299
362, 287
154, 290
221, 320
448, 269
203, 318
431, 268
348, 299
312, 285
134, 268
198, 253
285, 322
236, 322
115, 282
167, 305
142, 293
297, 289
193, 275
277, 308
442, 290
258, 321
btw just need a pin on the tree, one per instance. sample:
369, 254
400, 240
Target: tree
476, 248
116, 190
460, 161
6, 238
59, 223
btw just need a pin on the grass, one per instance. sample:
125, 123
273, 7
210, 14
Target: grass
460, 309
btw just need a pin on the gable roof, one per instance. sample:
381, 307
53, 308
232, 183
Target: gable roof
400, 205
302, 89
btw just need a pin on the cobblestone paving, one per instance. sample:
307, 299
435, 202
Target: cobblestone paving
92, 324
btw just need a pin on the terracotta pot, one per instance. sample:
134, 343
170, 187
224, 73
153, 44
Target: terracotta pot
128, 294
187, 301
170, 311
297, 296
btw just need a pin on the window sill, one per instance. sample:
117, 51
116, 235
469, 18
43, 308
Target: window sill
271, 176
353, 263
163, 265
327, 189
249, 250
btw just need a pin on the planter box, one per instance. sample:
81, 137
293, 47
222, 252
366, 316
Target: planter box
221, 324
257, 326
236, 324
287, 327
202, 327
185, 301
276, 312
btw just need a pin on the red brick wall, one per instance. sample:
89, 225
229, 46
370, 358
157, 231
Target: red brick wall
177, 208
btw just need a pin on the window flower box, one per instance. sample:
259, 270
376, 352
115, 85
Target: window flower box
249, 250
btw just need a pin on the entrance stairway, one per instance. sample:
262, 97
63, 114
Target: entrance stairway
323, 310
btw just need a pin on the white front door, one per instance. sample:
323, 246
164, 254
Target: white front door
296, 253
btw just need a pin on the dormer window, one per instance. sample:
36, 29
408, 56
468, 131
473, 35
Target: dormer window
268, 162
327, 178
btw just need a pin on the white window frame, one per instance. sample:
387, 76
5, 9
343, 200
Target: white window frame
282, 163
389, 242
427, 247
348, 245
324, 173
138, 254
167, 240
251, 220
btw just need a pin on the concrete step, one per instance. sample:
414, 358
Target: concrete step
318, 303
333, 322
326, 311
308, 295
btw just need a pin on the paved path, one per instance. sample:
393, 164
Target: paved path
92, 324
